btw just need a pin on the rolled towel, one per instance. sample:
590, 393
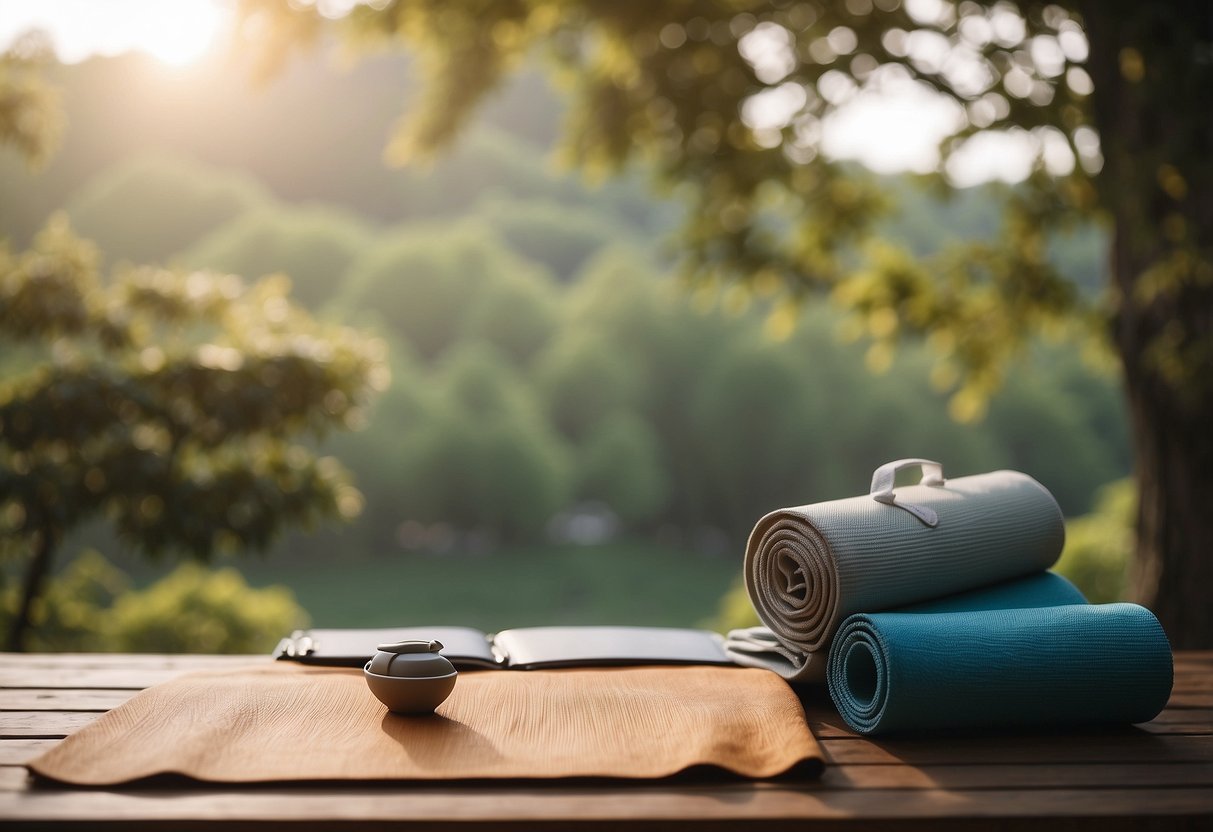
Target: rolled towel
1071, 665
758, 647
808, 568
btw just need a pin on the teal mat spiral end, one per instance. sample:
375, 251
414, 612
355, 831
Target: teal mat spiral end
1067, 665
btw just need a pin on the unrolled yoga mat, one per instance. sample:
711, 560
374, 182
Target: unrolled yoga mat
808, 568
758, 647
1072, 665
289, 723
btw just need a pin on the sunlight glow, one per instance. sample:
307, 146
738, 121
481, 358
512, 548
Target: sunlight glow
175, 32
889, 124
896, 129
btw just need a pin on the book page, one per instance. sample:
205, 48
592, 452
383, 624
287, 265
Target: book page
464, 646
528, 647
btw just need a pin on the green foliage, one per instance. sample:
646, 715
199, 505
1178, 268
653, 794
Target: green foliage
30, 116
582, 378
1042, 423
621, 464
422, 284
727, 100
91, 606
1099, 545
312, 245
71, 615
735, 610
195, 610
165, 402
516, 313
561, 237
757, 391
149, 208
487, 461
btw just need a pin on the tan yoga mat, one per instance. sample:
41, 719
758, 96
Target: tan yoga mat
286, 723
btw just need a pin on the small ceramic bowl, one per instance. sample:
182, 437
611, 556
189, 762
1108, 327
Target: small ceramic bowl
410, 677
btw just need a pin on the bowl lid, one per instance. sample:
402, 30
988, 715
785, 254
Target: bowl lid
410, 659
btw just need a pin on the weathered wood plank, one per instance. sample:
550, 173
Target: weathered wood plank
62, 699
660, 806
1129, 746
104, 670
136, 660
32, 724
1195, 721
18, 752
1191, 699
998, 776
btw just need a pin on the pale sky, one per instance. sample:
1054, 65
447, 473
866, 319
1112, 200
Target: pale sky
176, 32
891, 131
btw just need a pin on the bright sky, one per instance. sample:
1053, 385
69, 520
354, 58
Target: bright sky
893, 131
176, 32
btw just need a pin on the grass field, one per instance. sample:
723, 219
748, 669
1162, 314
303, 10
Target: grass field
618, 583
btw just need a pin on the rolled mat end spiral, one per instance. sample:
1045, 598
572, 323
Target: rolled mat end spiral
911, 672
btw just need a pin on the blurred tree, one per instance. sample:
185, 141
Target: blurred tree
620, 464
727, 99
146, 209
165, 402
90, 606
749, 416
422, 285
196, 610
30, 118
314, 245
491, 463
561, 237
69, 616
1099, 545
581, 379
515, 313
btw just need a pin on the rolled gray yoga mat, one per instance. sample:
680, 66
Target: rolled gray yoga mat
914, 672
808, 568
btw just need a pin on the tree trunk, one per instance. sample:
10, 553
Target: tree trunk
35, 580
1152, 106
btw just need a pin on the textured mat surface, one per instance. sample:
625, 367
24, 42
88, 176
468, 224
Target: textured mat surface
289, 723
1070, 665
758, 646
808, 568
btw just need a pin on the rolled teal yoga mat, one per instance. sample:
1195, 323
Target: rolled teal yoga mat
758, 646
1044, 589
1069, 665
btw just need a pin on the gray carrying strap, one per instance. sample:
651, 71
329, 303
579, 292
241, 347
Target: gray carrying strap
884, 477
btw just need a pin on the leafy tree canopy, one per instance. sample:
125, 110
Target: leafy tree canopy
726, 100
165, 402
146, 209
30, 118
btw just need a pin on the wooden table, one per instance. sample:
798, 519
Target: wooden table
1155, 776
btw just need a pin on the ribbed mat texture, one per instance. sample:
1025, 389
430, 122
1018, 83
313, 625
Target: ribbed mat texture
1044, 589
808, 568
758, 647
1070, 665
292, 723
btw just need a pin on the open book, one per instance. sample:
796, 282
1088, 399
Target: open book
518, 649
